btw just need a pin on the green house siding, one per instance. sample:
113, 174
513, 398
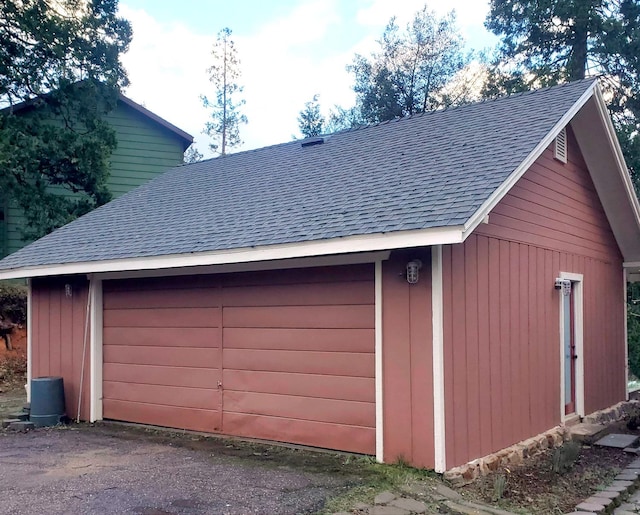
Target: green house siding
145, 149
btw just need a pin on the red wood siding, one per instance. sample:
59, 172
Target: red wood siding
58, 322
294, 351
407, 361
501, 311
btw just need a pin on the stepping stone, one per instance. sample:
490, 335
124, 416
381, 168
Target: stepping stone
8, 421
632, 450
607, 495
387, 510
383, 498
21, 426
626, 477
599, 500
590, 507
586, 432
447, 492
466, 510
20, 415
410, 505
619, 441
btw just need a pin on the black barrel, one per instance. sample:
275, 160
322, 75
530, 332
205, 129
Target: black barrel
47, 401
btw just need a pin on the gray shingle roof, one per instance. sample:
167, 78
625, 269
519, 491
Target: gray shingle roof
425, 171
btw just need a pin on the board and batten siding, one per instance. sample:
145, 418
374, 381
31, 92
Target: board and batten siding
501, 311
407, 356
58, 330
145, 150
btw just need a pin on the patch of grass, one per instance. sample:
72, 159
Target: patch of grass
377, 478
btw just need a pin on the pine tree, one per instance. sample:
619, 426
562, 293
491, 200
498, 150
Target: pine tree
224, 74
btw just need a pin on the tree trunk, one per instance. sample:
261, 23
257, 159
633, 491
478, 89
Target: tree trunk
577, 61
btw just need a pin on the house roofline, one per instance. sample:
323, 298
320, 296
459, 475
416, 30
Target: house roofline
185, 136
334, 246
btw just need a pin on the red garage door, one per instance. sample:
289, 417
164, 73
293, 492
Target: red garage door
286, 355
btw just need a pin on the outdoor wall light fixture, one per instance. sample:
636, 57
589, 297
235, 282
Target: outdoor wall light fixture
413, 271
67, 290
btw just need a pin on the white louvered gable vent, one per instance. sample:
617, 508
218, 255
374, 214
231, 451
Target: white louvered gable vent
560, 150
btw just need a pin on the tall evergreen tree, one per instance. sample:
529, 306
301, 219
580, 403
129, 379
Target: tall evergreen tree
412, 65
553, 41
60, 72
310, 120
224, 74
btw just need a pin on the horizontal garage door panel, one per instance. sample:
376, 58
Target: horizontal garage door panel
297, 295
341, 340
161, 375
168, 416
306, 317
300, 408
162, 317
306, 432
331, 363
163, 336
167, 356
183, 298
162, 395
322, 386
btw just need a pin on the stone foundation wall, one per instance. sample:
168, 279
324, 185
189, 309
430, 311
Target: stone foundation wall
517, 453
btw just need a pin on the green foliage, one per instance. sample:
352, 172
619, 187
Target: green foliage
565, 457
410, 68
633, 327
13, 303
499, 486
224, 126
192, 155
550, 42
310, 120
60, 72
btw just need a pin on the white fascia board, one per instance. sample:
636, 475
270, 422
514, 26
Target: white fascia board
631, 264
484, 210
347, 245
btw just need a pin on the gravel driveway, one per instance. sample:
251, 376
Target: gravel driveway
93, 470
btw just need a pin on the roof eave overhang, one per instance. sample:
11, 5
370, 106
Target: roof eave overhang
592, 126
369, 243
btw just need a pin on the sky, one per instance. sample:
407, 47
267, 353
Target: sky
289, 51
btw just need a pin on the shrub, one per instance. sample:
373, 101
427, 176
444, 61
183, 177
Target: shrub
633, 328
13, 303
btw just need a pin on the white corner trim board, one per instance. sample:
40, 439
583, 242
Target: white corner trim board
437, 311
378, 364
29, 339
95, 353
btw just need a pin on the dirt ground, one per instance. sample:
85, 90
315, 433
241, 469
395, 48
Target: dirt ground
535, 488
13, 363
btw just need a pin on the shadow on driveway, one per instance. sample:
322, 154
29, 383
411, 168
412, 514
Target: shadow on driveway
111, 469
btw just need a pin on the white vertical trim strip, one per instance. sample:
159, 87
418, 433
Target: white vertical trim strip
29, 338
437, 311
561, 330
95, 291
578, 334
378, 364
626, 335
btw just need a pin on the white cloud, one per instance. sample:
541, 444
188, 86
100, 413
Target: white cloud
282, 64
